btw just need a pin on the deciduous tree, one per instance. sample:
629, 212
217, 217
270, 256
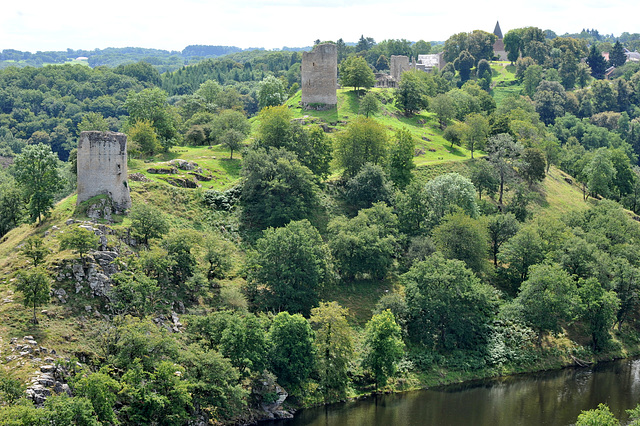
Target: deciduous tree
37, 172
35, 286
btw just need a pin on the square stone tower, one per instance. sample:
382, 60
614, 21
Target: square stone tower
102, 167
320, 75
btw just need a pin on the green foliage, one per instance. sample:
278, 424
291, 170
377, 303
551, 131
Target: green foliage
355, 72
333, 347
384, 347
596, 62
276, 189
143, 138
37, 172
213, 383
22, 413
100, 389
11, 388
448, 306
289, 268
477, 132
463, 64
533, 165
442, 105
447, 193
401, 152
413, 91
151, 105
368, 186
11, 204
93, 121
78, 239
311, 145
35, 286
547, 297
139, 345
34, 249
601, 416
271, 92
292, 351
365, 244
147, 222
598, 311
369, 104
159, 396
363, 141
500, 228
484, 177
133, 294
461, 237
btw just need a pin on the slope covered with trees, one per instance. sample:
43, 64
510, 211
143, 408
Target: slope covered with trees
303, 257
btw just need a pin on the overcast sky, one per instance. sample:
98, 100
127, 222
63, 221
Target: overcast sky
33, 25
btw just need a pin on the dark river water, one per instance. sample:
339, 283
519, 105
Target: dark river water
549, 398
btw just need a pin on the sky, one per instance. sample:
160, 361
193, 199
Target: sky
41, 25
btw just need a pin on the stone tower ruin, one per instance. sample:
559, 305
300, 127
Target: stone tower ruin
398, 65
102, 167
320, 75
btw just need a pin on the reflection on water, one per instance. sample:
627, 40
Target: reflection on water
549, 398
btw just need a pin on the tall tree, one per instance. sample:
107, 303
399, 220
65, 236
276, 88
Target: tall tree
547, 297
448, 306
383, 340
617, 58
503, 152
271, 92
461, 237
596, 61
478, 129
500, 228
151, 105
277, 189
401, 152
355, 72
37, 172
334, 348
363, 141
413, 91
292, 350
289, 268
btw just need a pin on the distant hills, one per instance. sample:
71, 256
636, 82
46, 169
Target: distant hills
163, 60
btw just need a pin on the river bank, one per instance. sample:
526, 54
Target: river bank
550, 398
556, 356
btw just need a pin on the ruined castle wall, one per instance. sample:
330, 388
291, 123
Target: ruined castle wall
399, 64
320, 75
102, 167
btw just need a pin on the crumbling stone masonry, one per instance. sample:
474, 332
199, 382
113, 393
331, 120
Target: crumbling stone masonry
320, 75
102, 167
398, 65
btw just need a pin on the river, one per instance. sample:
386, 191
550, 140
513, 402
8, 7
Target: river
548, 398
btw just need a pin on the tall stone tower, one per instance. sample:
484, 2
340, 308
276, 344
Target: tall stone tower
102, 167
399, 64
320, 75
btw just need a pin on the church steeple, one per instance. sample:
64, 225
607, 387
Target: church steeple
497, 31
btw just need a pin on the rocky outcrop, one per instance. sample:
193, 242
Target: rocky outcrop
51, 375
269, 397
183, 164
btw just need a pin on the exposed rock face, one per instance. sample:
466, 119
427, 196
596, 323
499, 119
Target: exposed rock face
51, 376
183, 164
271, 408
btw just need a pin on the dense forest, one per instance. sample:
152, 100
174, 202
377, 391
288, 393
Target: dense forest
476, 221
